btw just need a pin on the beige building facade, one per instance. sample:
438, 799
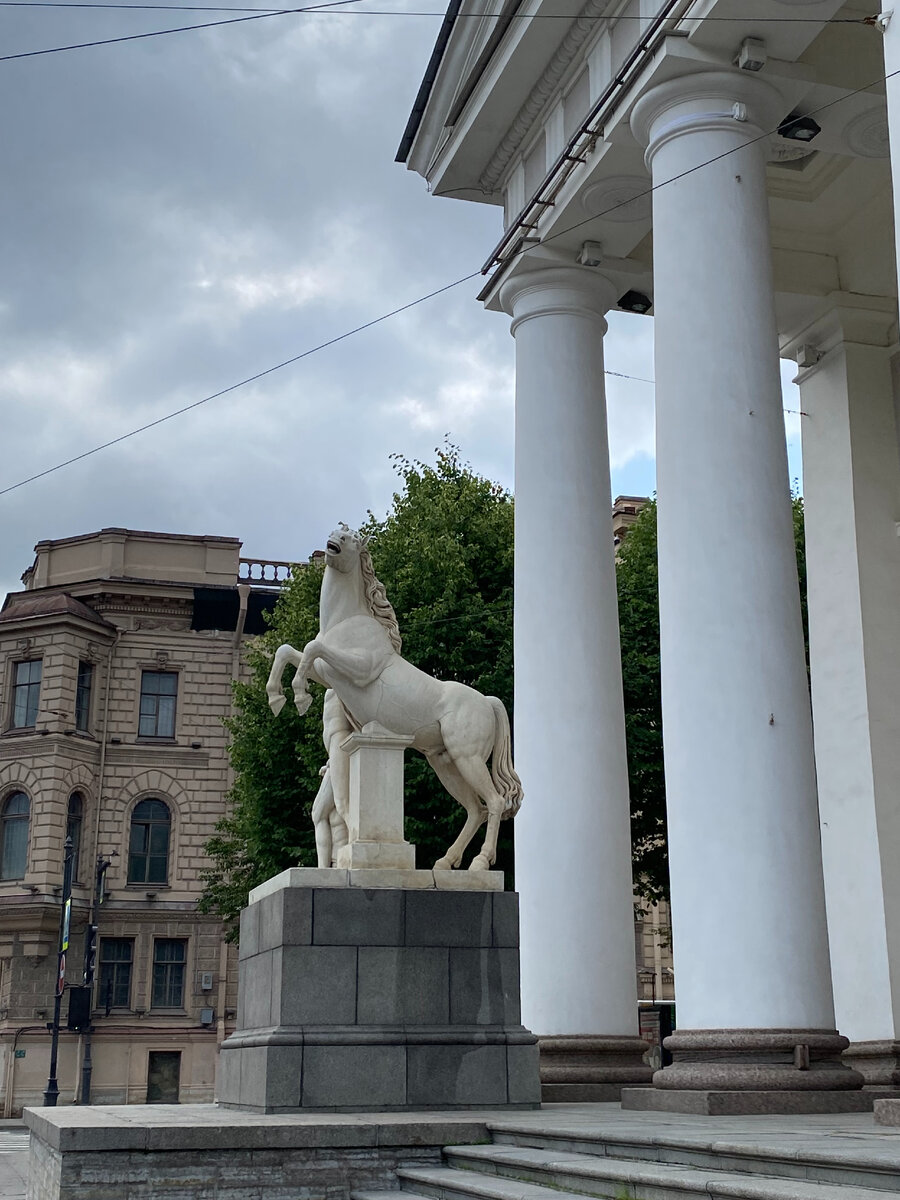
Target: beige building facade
116, 665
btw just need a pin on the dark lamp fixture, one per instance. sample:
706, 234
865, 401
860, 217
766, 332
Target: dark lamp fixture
635, 302
799, 129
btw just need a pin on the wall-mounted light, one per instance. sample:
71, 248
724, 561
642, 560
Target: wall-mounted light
635, 302
752, 55
799, 129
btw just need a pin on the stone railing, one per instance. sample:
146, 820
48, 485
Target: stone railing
265, 571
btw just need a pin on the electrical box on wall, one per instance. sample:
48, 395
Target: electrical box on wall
206, 981
207, 1016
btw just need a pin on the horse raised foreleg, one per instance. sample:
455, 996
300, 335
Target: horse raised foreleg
359, 667
442, 765
283, 655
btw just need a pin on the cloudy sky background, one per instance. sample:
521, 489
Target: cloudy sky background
180, 213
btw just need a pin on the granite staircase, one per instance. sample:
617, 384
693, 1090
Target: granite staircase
526, 1163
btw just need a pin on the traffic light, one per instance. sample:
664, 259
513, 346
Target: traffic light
79, 1009
90, 954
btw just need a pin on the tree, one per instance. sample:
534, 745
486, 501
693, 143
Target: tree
445, 555
638, 586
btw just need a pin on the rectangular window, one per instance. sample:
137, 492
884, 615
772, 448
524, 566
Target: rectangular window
116, 957
169, 956
26, 693
158, 689
83, 696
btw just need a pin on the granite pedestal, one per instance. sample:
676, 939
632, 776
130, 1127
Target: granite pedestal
357, 994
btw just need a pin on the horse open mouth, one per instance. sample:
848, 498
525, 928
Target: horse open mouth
332, 548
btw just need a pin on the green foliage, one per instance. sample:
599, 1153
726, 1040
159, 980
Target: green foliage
638, 584
445, 555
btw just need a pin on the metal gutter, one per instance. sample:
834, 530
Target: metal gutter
581, 143
422, 97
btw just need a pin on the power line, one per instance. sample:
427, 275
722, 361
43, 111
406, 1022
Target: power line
89, 4
241, 383
421, 300
136, 37
256, 14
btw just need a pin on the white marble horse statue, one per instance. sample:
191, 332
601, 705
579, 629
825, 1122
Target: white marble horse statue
356, 655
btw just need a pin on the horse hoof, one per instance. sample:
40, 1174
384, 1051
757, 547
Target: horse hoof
303, 701
443, 864
276, 703
480, 863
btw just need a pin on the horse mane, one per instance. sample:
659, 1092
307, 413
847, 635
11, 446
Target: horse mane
376, 597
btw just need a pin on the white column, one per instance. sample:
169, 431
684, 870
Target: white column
851, 478
573, 846
892, 87
748, 909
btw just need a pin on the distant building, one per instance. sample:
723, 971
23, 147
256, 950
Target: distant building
116, 665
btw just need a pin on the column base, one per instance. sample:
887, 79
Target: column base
731, 1071
879, 1064
580, 1069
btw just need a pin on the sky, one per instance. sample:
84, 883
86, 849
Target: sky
182, 212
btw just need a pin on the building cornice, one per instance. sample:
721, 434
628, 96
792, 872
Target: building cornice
583, 26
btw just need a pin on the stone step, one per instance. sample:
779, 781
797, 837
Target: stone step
841, 1163
613, 1179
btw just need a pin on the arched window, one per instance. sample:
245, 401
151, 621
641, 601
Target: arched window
74, 818
14, 836
148, 848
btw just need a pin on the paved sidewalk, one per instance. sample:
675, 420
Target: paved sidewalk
13, 1174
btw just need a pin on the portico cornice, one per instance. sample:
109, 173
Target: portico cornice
584, 25
845, 318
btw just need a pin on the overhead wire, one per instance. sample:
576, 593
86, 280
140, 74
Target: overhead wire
389, 12
255, 14
423, 299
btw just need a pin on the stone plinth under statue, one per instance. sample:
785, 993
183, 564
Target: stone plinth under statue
379, 991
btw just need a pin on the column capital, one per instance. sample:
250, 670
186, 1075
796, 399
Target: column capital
551, 291
705, 100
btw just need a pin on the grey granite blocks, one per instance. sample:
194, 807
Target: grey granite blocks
379, 999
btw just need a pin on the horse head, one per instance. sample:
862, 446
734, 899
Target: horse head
343, 548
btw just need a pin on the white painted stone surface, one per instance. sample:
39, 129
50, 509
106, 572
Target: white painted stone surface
743, 829
577, 945
851, 473
375, 820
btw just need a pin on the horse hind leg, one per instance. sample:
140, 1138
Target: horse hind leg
444, 768
474, 771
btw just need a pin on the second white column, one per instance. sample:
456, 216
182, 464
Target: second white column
755, 1011
573, 846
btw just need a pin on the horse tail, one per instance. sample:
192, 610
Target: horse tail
274, 686
506, 781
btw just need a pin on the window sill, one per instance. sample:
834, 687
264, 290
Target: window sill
148, 887
20, 731
156, 741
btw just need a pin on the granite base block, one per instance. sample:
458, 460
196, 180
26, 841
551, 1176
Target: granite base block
731, 1104
381, 999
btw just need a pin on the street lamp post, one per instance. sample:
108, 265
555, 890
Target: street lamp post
51, 1093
